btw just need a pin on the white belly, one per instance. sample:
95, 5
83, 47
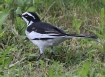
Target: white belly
48, 43
44, 43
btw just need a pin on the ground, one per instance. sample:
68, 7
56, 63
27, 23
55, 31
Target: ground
73, 58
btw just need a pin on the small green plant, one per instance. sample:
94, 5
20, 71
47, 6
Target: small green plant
5, 59
77, 24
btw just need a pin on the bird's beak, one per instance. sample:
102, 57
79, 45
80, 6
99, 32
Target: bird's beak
19, 15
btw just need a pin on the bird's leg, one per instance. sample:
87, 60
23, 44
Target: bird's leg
39, 57
52, 52
41, 52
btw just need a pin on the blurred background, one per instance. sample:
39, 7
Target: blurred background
76, 57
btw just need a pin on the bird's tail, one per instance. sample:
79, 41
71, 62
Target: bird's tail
81, 35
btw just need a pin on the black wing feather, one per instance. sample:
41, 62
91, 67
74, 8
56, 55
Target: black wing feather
45, 28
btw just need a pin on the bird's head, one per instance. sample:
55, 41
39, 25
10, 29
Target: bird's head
29, 17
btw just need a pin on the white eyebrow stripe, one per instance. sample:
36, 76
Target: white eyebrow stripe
28, 14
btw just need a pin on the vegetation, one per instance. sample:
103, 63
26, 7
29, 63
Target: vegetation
74, 57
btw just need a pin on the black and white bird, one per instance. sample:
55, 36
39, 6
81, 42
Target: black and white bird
44, 34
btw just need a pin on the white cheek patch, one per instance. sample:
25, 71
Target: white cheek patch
31, 22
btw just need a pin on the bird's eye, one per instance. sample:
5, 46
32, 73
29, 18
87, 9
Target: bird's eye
25, 16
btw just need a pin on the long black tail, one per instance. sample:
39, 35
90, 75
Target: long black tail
81, 35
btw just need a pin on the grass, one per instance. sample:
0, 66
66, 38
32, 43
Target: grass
76, 57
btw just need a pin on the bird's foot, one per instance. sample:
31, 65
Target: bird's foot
51, 54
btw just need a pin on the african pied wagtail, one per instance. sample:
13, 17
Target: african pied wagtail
43, 34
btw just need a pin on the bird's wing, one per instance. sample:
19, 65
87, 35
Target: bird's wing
41, 30
45, 28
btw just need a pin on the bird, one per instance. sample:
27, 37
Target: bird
44, 34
